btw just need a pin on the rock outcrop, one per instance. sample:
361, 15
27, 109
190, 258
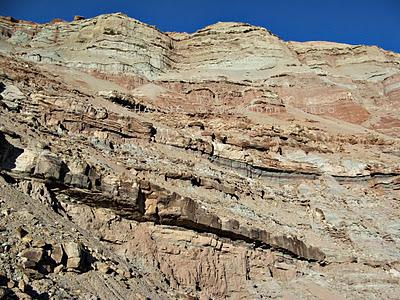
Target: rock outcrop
223, 164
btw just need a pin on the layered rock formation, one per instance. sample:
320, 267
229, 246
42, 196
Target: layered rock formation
223, 164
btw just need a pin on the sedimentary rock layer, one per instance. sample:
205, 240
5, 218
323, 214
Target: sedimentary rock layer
221, 164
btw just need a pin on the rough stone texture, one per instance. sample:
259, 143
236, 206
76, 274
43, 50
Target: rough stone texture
48, 166
31, 257
74, 252
223, 164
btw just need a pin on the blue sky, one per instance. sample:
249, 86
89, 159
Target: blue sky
371, 22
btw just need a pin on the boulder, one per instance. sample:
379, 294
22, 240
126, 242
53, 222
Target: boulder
48, 166
74, 252
57, 253
26, 162
31, 257
11, 97
77, 180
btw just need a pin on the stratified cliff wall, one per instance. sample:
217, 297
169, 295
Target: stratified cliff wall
222, 164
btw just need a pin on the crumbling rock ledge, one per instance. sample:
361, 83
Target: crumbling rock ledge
149, 202
155, 204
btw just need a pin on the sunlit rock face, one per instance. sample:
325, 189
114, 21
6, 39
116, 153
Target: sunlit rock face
221, 164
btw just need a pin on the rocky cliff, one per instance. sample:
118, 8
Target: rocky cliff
223, 164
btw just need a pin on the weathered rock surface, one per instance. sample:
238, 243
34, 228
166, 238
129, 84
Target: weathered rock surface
223, 164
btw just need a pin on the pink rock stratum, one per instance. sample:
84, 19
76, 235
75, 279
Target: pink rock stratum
223, 164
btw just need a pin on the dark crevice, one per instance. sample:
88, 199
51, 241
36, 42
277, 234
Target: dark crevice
137, 107
8, 153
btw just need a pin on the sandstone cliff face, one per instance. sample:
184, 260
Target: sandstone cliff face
226, 163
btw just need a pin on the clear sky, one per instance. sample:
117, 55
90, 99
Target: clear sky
371, 22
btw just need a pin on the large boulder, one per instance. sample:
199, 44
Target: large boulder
75, 255
11, 96
26, 162
31, 257
48, 166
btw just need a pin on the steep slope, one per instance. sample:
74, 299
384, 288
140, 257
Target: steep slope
226, 163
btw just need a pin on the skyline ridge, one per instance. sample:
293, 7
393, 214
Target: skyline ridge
369, 22
201, 29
